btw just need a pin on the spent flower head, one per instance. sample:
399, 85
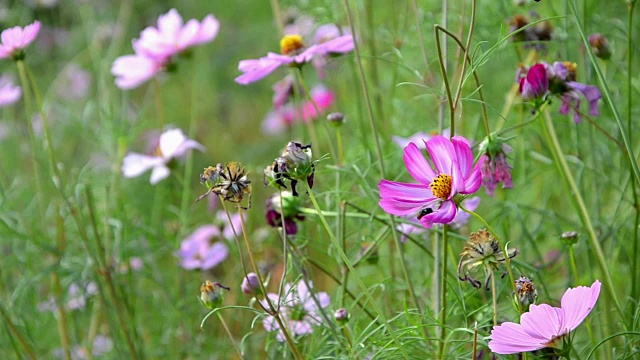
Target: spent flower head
495, 168
600, 46
544, 325
14, 40
295, 164
230, 182
526, 292
481, 251
211, 294
436, 197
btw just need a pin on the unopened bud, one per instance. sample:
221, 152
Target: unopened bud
342, 316
526, 292
570, 238
251, 284
211, 294
335, 119
600, 46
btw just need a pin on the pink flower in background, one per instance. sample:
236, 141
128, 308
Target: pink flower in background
101, 345
298, 309
543, 324
418, 138
228, 227
76, 297
279, 119
283, 91
173, 144
293, 53
9, 93
15, 39
74, 82
433, 199
157, 46
198, 252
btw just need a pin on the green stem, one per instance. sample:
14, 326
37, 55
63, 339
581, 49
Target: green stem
634, 188
443, 290
12, 329
357, 278
226, 329
574, 268
423, 49
445, 79
311, 123
340, 149
494, 297
574, 192
159, 107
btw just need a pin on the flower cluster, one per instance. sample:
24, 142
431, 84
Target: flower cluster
435, 198
543, 325
558, 79
298, 308
156, 47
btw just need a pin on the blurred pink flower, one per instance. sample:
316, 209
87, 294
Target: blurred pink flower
74, 82
173, 144
283, 90
279, 119
543, 324
418, 138
76, 297
298, 308
227, 228
294, 53
15, 39
9, 93
433, 199
198, 252
101, 345
156, 47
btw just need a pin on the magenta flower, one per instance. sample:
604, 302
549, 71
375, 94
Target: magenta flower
9, 93
198, 252
543, 324
298, 308
535, 84
173, 144
433, 199
294, 53
15, 39
279, 119
155, 49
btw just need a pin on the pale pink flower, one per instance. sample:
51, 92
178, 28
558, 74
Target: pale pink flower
15, 39
299, 310
418, 138
279, 119
433, 199
198, 251
543, 324
132, 71
74, 82
9, 93
173, 144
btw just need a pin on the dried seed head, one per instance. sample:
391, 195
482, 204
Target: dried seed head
482, 250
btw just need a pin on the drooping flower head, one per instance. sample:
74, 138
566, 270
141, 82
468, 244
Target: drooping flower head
251, 284
299, 310
543, 325
495, 168
294, 52
173, 144
433, 199
199, 251
295, 164
526, 293
482, 251
211, 294
534, 35
16, 39
284, 206
156, 48
9, 93
282, 117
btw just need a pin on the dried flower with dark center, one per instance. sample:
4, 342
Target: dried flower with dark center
482, 250
229, 182
526, 292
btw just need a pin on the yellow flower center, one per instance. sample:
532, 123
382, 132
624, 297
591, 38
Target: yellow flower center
572, 69
290, 44
441, 186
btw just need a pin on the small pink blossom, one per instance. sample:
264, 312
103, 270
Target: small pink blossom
75, 82
278, 120
9, 93
197, 251
298, 308
543, 324
15, 39
433, 199
173, 144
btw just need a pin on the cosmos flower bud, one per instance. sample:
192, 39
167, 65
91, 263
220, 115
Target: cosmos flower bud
526, 292
335, 119
211, 294
600, 46
342, 316
570, 238
251, 284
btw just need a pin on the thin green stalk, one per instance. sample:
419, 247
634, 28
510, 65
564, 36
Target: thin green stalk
340, 149
607, 94
16, 334
357, 278
226, 329
574, 268
443, 291
494, 297
365, 90
445, 80
465, 49
159, 107
311, 123
636, 205
427, 78
277, 14
37, 171
55, 282
572, 189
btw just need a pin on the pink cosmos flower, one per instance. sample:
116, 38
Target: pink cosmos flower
15, 39
197, 251
544, 324
9, 93
294, 53
157, 46
279, 119
173, 144
298, 308
433, 199
283, 90
535, 84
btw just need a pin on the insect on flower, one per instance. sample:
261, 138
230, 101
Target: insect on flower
228, 181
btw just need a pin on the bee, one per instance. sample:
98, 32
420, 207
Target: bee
424, 212
229, 182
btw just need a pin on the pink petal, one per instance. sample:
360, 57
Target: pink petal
542, 322
170, 24
135, 164
403, 199
442, 153
133, 70
208, 29
510, 338
473, 182
341, 44
255, 70
463, 154
187, 35
216, 254
159, 173
577, 303
417, 165
443, 215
